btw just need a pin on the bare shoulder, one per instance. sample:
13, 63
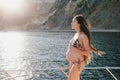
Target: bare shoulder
83, 36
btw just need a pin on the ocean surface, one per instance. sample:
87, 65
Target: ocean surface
39, 55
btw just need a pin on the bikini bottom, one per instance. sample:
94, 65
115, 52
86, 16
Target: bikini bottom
78, 63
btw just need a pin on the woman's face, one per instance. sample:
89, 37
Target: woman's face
75, 24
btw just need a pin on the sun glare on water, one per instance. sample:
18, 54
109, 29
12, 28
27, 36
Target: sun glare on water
11, 4
12, 44
11, 47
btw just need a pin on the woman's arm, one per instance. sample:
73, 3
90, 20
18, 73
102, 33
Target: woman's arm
86, 50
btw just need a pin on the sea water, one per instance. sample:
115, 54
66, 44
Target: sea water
35, 55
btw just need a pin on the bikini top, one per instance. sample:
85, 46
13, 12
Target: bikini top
77, 44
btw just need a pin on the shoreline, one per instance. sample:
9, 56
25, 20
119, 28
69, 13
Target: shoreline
90, 30
58, 30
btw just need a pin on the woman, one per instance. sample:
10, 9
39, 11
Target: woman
80, 47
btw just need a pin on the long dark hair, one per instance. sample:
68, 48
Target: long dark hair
85, 27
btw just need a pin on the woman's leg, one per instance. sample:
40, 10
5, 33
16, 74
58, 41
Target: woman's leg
74, 73
70, 65
81, 68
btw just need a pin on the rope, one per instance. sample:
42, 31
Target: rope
111, 74
9, 75
63, 70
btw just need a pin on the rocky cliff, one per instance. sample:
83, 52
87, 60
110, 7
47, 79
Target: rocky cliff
102, 14
57, 14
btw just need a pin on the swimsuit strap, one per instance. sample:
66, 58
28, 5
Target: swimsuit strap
78, 63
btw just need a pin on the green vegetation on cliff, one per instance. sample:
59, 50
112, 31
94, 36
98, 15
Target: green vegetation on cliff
102, 14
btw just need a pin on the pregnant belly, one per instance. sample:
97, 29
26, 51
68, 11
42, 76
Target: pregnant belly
72, 56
